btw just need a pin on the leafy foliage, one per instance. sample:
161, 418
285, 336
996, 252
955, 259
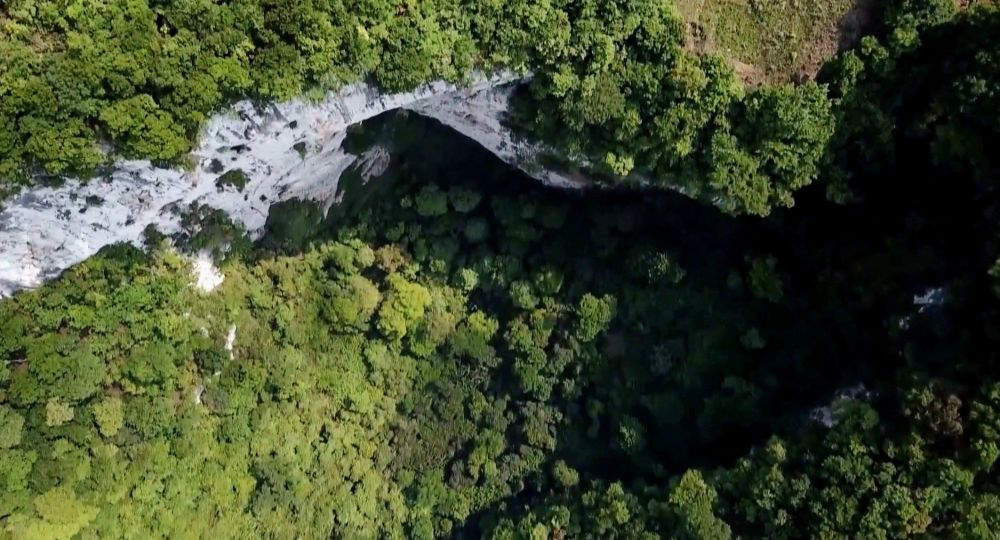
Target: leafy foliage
613, 85
471, 355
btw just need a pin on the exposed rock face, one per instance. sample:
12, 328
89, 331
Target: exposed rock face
479, 115
287, 151
206, 276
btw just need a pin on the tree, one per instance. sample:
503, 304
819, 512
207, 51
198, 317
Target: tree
472, 337
787, 129
15, 467
57, 514
353, 302
143, 129
57, 413
593, 316
763, 278
431, 201
109, 416
153, 365
402, 307
466, 279
464, 200
477, 230
631, 435
57, 371
693, 501
565, 475
523, 295
735, 173
441, 316
151, 416
11, 426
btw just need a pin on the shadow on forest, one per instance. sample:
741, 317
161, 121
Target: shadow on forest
721, 392
695, 372
728, 330
630, 334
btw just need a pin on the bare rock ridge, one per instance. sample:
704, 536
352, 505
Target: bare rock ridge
247, 160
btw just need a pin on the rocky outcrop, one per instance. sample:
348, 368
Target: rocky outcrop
248, 159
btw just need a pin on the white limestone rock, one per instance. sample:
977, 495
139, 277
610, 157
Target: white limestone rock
287, 151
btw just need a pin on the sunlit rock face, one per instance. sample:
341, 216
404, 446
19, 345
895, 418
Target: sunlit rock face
279, 152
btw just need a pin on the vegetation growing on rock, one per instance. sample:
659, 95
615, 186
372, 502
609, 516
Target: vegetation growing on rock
468, 354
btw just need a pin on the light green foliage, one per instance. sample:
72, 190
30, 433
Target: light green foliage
467, 279
530, 360
151, 416
147, 74
57, 371
565, 475
353, 302
11, 426
523, 295
593, 316
153, 365
622, 94
556, 374
109, 416
482, 460
15, 467
143, 129
442, 315
390, 258
473, 335
402, 308
613, 84
58, 513
735, 172
693, 500
350, 257
57, 413
785, 129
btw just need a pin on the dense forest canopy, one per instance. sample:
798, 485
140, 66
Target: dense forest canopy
456, 351
612, 87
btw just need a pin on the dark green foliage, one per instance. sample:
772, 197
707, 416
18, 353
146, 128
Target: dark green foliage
211, 360
764, 280
204, 228
290, 225
464, 200
613, 87
610, 511
235, 178
470, 355
622, 96
431, 201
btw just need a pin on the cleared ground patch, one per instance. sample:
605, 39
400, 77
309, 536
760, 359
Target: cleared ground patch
774, 40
